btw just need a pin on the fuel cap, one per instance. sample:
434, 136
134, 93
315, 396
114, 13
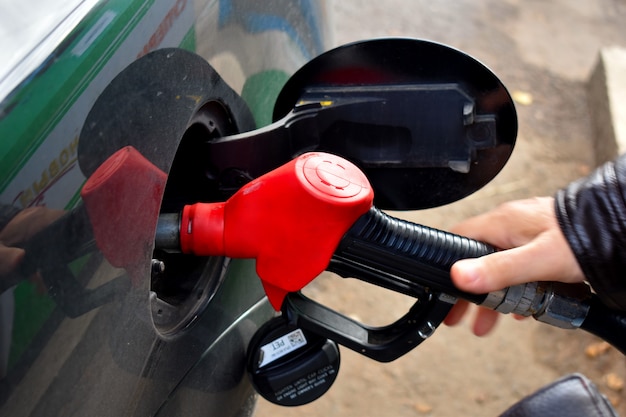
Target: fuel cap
291, 366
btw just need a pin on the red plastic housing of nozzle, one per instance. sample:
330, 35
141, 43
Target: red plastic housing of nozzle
290, 220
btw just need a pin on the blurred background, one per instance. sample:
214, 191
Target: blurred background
544, 52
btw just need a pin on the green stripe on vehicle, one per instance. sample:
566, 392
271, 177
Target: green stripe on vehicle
38, 106
34, 309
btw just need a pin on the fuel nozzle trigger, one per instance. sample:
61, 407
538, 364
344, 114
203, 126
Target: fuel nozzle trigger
383, 344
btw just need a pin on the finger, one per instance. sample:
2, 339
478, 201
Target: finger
456, 313
540, 260
485, 228
485, 321
511, 224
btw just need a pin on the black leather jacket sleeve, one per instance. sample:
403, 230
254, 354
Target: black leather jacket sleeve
592, 215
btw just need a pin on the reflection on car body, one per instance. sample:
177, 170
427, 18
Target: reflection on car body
77, 333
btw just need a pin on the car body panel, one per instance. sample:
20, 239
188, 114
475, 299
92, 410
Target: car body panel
109, 360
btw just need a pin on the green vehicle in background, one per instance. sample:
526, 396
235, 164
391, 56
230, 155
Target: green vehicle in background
81, 334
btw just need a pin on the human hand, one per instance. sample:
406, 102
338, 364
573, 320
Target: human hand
19, 230
532, 248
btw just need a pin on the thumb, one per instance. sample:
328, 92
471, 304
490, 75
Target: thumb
539, 260
478, 275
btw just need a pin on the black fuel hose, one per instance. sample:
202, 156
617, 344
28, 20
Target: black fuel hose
605, 323
397, 254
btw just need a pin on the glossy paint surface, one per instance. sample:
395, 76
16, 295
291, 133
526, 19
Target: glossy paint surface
77, 332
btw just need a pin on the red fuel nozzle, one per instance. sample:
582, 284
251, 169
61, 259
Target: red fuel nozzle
290, 220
